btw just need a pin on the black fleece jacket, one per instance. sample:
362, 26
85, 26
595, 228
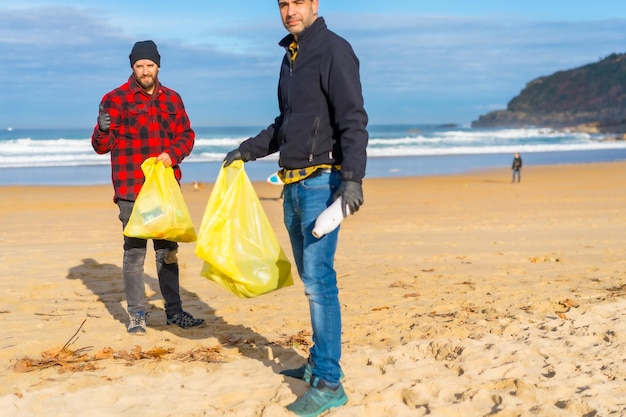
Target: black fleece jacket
322, 119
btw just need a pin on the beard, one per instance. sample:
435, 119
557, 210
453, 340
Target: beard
146, 82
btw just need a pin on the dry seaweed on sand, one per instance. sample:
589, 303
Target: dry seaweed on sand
78, 360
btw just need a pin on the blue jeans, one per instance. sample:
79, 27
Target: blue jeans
303, 202
517, 173
133, 268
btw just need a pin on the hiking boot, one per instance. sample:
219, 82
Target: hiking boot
304, 372
185, 320
319, 398
137, 324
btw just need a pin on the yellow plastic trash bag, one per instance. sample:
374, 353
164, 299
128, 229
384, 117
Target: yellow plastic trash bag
160, 211
236, 241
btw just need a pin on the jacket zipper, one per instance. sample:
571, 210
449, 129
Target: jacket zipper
317, 127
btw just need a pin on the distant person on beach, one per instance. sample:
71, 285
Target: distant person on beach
517, 167
321, 136
141, 119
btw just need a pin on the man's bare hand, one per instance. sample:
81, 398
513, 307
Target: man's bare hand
165, 159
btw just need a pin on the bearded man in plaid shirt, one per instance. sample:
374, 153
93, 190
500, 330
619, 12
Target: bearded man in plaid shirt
138, 120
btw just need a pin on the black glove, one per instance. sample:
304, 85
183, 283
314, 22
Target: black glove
351, 193
232, 156
104, 120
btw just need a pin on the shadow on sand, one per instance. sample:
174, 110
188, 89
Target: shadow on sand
105, 281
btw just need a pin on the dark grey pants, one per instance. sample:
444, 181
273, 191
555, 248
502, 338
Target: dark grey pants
133, 268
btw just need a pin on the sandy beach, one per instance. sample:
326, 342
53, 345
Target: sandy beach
462, 295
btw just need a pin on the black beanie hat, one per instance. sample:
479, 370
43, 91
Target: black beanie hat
145, 50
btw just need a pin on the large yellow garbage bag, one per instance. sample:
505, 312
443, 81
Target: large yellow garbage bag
236, 241
160, 211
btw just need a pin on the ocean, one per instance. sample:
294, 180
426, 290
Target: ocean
65, 156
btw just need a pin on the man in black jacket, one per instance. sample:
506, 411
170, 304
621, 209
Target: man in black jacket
321, 138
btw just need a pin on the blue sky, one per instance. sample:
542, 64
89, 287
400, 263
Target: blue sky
445, 61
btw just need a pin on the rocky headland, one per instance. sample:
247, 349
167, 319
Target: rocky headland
591, 98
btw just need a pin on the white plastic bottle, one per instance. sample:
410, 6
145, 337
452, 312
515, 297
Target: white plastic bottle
329, 219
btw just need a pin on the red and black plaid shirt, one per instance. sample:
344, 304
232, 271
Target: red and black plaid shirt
142, 126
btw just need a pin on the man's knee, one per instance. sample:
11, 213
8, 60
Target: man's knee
167, 256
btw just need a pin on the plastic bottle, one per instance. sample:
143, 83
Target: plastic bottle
329, 219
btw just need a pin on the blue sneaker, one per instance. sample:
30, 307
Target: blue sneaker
304, 372
137, 324
318, 398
